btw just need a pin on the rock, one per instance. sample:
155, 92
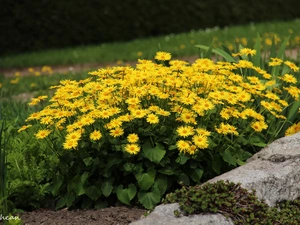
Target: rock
164, 215
274, 172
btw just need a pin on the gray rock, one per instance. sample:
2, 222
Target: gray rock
274, 173
164, 215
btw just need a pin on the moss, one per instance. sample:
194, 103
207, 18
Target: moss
233, 201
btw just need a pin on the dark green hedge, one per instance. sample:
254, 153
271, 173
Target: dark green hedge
28, 25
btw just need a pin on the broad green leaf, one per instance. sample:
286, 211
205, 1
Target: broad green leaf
56, 184
184, 178
217, 164
149, 199
99, 204
76, 185
84, 177
127, 194
86, 203
145, 180
88, 161
107, 187
161, 183
93, 192
129, 167
228, 157
154, 154
219, 52
166, 171
61, 202
182, 158
70, 198
196, 174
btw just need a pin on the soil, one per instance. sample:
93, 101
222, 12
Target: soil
119, 215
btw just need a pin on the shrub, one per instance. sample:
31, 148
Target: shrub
133, 134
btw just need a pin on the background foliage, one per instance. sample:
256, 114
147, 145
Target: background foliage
36, 25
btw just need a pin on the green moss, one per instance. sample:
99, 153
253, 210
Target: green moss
233, 201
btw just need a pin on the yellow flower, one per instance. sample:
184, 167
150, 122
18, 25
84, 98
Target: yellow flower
275, 62
70, 144
152, 119
75, 135
139, 113
41, 134
24, 128
202, 131
132, 138
185, 131
183, 146
133, 101
116, 132
289, 78
258, 126
132, 149
95, 135
163, 56
200, 141
292, 66
226, 129
295, 128
247, 51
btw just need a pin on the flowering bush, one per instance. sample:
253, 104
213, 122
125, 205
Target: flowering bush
133, 133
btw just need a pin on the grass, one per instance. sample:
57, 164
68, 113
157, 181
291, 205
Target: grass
178, 44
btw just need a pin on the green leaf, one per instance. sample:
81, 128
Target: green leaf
61, 202
70, 198
209, 51
149, 199
56, 184
76, 185
182, 158
228, 157
259, 144
145, 180
93, 192
129, 167
257, 57
219, 52
196, 174
183, 178
84, 177
99, 204
154, 154
161, 183
216, 164
86, 203
281, 51
166, 171
293, 111
127, 194
88, 161
107, 187
240, 162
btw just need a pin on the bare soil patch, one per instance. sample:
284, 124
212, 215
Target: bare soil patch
120, 215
